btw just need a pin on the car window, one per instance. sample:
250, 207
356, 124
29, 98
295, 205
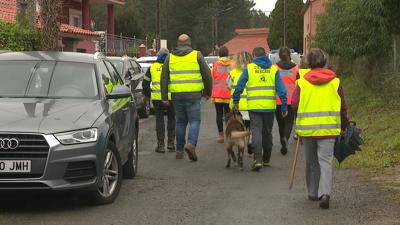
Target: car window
114, 73
48, 79
135, 66
108, 81
118, 65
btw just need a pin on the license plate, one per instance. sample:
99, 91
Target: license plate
15, 166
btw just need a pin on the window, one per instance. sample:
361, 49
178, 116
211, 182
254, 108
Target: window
75, 18
135, 66
108, 82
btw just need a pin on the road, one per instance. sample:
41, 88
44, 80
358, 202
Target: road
172, 191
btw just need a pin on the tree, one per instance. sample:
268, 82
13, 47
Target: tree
259, 19
353, 28
50, 19
294, 25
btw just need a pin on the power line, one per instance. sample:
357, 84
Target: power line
203, 18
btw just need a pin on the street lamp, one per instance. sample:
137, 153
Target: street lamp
216, 26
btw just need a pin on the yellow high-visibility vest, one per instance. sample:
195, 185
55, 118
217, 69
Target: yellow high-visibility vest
261, 92
319, 109
155, 71
235, 75
302, 72
185, 73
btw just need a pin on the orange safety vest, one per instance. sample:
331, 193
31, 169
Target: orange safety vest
289, 79
220, 89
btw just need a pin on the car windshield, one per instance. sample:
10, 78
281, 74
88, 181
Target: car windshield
47, 79
119, 65
294, 56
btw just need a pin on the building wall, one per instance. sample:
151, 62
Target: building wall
67, 5
316, 7
86, 46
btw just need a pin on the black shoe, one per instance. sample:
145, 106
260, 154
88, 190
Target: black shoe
295, 137
284, 146
266, 161
256, 166
249, 150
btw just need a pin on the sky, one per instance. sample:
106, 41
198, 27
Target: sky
266, 5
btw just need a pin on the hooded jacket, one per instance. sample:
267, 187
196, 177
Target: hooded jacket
320, 76
182, 50
147, 79
223, 62
264, 63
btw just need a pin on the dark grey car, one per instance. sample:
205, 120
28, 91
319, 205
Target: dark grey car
133, 76
67, 123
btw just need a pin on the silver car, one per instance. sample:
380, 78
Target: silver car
67, 124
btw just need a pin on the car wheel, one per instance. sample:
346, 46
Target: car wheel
144, 112
130, 167
111, 178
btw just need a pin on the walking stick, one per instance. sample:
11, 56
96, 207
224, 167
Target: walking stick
294, 163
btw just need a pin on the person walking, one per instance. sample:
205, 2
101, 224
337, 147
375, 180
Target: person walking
303, 69
240, 60
153, 75
289, 73
188, 77
321, 110
263, 83
220, 93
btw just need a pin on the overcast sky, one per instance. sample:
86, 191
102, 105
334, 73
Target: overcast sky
266, 5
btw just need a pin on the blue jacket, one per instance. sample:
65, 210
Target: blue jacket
264, 63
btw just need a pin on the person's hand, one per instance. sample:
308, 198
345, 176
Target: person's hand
284, 114
147, 98
235, 107
344, 132
206, 97
165, 102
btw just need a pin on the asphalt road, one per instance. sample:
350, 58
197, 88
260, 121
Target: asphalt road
172, 191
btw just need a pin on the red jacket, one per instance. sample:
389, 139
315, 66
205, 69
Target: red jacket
219, 89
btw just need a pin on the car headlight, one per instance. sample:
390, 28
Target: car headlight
76, 137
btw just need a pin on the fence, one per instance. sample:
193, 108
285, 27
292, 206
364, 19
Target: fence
119, 45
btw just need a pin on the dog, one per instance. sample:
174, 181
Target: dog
235, 136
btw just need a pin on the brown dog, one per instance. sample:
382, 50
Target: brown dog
235, 136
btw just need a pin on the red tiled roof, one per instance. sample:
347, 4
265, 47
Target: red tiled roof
65, 28
8, 10
247, 40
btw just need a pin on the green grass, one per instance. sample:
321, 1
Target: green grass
380, 124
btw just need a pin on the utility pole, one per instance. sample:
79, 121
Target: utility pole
158, 27
284, 23
217, 11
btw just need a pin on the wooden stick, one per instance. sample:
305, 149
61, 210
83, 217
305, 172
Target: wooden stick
295, 160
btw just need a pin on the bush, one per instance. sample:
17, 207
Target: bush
15, 37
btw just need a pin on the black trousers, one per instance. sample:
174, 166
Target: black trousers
285, 124
159, 112
222, 109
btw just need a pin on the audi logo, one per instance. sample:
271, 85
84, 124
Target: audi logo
8, 143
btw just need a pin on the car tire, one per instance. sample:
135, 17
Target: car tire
131, 166
144, 112
112, 168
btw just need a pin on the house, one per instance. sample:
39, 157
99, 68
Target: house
247, 40
310, 9
76, 34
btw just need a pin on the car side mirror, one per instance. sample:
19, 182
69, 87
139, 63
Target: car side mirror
119, 91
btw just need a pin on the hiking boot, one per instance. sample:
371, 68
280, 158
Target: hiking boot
257, 163
171, 140
160, 143
266, 160
191, 152
324, 201
249, 149
179, 155
284, 146
221, 137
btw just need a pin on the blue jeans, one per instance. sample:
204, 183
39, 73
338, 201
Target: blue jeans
187, 111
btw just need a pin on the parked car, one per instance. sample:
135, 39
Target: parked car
133, 76
68, 124
210, 60
274, 56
